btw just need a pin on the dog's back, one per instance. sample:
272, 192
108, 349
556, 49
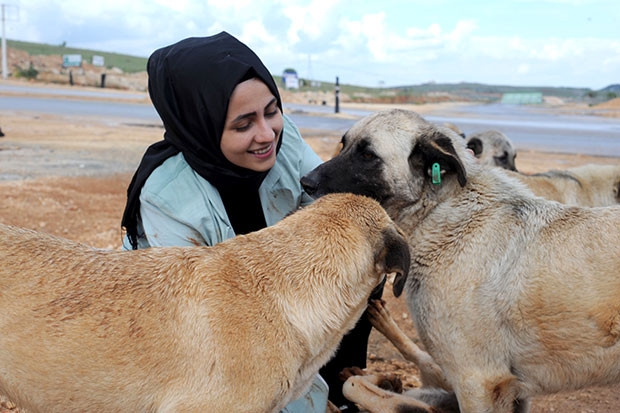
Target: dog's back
588, 185
84, 320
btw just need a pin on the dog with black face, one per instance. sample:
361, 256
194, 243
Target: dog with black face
512, 295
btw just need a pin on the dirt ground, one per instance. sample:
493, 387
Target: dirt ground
68, 177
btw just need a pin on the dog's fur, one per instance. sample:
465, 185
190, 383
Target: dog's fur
493, 148
512, 295
588, 185
241, 326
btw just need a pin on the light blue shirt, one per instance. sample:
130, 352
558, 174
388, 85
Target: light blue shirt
178, 207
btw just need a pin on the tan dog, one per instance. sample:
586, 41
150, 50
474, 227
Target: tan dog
493, 148
242, 326
589, 185
512, 295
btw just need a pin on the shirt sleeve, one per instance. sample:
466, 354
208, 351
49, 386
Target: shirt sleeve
308, 159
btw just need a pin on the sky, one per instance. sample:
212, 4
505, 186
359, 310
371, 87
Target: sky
561, 43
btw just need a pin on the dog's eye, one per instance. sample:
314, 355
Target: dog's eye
503, 157
368, 155
364, 150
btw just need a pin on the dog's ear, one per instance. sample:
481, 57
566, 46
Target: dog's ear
395, 257
475, 145
435, 153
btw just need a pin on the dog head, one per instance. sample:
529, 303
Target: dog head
493, 148
359, 220
394, 157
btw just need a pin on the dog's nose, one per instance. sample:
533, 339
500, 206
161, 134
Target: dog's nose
309, 184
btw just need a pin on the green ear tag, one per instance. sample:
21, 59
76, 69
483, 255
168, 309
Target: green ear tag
436, 174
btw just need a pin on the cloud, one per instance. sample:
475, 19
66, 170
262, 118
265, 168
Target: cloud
392, 41
310, 23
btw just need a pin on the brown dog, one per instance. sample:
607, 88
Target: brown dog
241, 326
512, 295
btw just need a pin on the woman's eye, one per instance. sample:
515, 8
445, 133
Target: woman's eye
272, 113
243, 128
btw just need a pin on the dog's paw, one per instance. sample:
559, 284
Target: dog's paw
350, 372
380, 317
390, 382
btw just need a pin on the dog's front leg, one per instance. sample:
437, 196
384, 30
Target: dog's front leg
430, 373
484, 394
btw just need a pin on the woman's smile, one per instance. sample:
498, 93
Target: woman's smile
264, 152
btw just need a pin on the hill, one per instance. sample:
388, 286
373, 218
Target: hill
128, 64
612, 88
44, 62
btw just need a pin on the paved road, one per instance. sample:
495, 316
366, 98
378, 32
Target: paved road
529, 128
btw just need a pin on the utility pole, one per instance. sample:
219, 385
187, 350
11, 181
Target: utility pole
5, 71
337, 108
4, 17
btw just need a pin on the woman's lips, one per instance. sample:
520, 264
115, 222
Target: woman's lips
263, 152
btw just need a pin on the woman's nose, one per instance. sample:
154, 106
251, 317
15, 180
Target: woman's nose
265, 131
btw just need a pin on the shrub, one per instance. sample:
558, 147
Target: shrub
30, 73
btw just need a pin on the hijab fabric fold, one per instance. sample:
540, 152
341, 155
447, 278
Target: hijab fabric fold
190, 84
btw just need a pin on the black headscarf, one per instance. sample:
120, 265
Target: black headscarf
190, 84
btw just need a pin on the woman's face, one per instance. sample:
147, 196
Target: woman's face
253, 126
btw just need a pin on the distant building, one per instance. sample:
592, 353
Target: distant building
290, 79
522, 98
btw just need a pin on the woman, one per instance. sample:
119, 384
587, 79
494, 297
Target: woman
230, 162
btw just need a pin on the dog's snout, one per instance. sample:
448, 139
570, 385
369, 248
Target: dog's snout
309, 183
